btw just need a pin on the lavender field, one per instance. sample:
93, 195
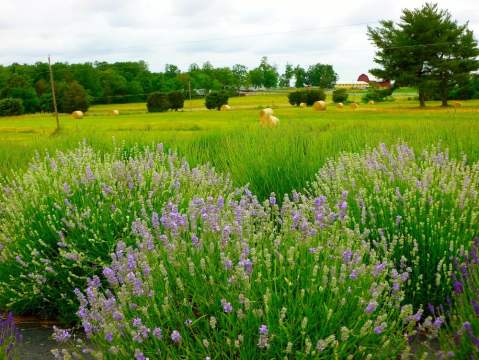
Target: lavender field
142, 256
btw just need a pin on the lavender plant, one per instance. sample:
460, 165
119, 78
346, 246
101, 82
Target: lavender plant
240, 279
9, 336
460, 338
60, 220
418, 211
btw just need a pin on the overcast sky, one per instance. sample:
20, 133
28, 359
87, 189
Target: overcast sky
224, 32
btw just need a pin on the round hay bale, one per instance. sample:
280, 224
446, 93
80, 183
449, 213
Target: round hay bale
303, 105
354, 106
319, 105
115, 112
456, 104
225, 107
273, 121
77, 114
266, 112
371, 102
340, 105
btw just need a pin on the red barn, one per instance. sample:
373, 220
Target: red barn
363, 77
386, 84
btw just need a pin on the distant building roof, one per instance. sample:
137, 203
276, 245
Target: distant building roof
363, 77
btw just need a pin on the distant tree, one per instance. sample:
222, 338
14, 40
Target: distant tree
322, 75
285, 78
240, 75
19, 87
176, 99
426, 48
264, 75
157, 102
300, 76
216, 99
11, 107
73, 98
466, 90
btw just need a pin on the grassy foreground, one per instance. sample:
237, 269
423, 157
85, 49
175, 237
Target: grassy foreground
270, 160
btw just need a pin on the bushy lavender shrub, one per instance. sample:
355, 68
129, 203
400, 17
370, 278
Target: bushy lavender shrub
236, 279
9, 336
60, 220
460, 337
418, 211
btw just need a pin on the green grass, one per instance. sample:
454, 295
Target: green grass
270, 160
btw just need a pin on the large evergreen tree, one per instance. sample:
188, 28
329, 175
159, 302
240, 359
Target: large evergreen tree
426, 49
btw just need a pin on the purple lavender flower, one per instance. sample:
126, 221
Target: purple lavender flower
475, 306
247, 265
195, 241
61, 335
176, 337
347, 256
109, 337
272, 199
109, 274
136, 322
467, 326
458, 287
438, 322
378, 269
263, 330
117, 316
155, 220
158, 333
228, 264
371, 307
227, 307
139, 355
353, 275
379, 329
313, 250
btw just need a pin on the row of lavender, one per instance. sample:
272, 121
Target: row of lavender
171, 262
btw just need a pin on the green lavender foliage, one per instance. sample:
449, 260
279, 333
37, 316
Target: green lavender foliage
419, 211
60, 220
246, 280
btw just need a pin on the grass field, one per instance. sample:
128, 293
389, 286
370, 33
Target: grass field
270, 160
384, 229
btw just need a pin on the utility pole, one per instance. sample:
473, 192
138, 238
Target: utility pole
53, 93
189, 89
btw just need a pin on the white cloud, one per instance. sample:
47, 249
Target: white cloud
224, 32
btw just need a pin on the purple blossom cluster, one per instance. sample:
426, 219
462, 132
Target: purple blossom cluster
9, 337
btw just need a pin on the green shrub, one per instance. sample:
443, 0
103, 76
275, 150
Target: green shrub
376, 94
11, 107
158, 102
296, 97
176, 99
340, 95
61, 218
306, 96
216, 99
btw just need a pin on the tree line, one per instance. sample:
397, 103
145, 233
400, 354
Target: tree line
78, 85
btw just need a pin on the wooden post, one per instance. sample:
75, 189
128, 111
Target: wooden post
189, 88
53, 93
